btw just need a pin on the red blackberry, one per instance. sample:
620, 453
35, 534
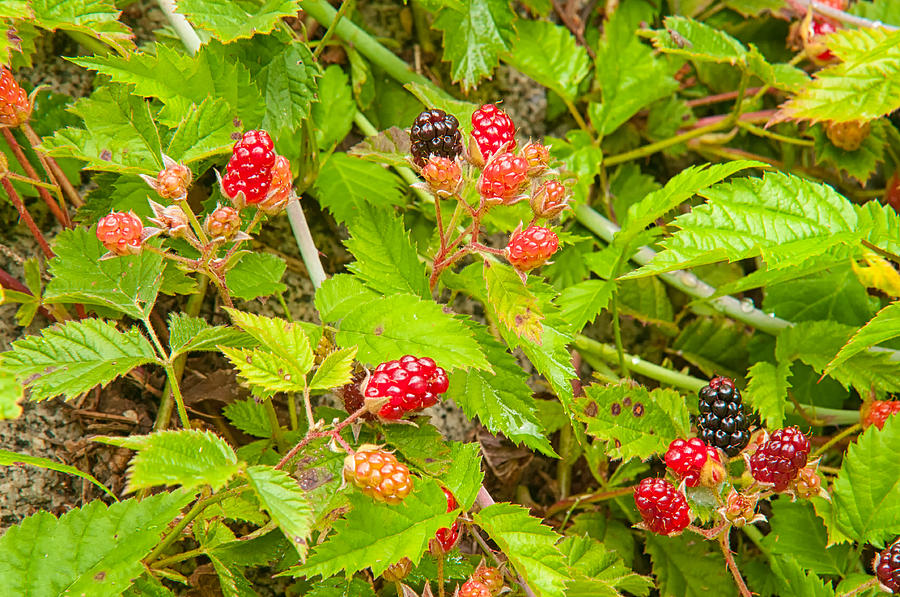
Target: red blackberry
473, 588
434, 133
503, 177
121, 233
879, 411
491, 129
780, 458
490, 577
409, 383
15, 107
446, 538
663, 508
887, 568
532, 247
722, 421
250, 167
688, 457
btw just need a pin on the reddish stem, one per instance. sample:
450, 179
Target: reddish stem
732, 565
719, 97
760, 116
335, 433
52, 168
58, 210
26, 217
9, 282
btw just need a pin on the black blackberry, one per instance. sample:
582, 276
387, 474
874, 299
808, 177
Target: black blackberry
722, 421
887, 567
434, 132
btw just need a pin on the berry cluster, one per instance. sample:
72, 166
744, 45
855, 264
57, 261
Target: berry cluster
121, 233
662, 507
778, 460
378, 474
722, 421
15, 107
409, 384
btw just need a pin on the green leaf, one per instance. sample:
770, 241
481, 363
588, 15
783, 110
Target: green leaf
250, 417
187, 334
768, 391
286, 339
883, 327
72, 358
387, 148
186, 457
630, 76
678, 189
256, 275
501, 399
529, 545
516, 307
228, 20
265, 372
402, 531
553, 360
335, 371
581, 303
119, 135
782, 218
863, 86
205, 132
633, 422
422, 445
796, 582
346, 182
393, 326
95, 18
340, 295
867, 490
334, 110
464, 477
797, 532
182, 82
8, 458
549, 54
816, 343
833, 292
11, 394
127, 284
385, 258
476, 33
231, 578
599, 571
92, 550
685, 567
285, 502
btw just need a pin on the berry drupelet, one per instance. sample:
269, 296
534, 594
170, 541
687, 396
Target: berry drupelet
435, 133
722, 421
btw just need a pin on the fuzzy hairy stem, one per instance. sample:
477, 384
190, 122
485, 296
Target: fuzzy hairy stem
26, 217
732, 565
58, 209
308, 251
54, 172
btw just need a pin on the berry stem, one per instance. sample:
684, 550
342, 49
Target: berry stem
732, 565
26, 217
54, 172
617, 333
845, 433
305, 243
311, 435
179, 399
587, 498
195, 223
440, 575
863, 587
58, 209
277, 431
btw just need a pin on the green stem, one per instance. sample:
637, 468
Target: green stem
846, 432
163, 355
180, 557
617, 332
394, 66
647, 150
179, 399
292, 411
345, 6
284, 306
195, 224
732, 565
761, 132
564, 466
277, 431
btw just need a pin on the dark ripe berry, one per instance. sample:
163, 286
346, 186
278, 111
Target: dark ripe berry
687, 457
848, 136
14, 105
473, 588
892, 192
887, 568
447, 537
722, 421
378, 474
491, 129
780, 458
532, 247
663, 508
250, 167
879, 411
121, 233
490, 577
409, 383
434, 133
503, 177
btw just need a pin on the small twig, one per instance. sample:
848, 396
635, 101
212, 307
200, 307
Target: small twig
846, 432
863, 587
732, 565
590, 498
329, 33
26, 217
318, 435
54, 172
58, 209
